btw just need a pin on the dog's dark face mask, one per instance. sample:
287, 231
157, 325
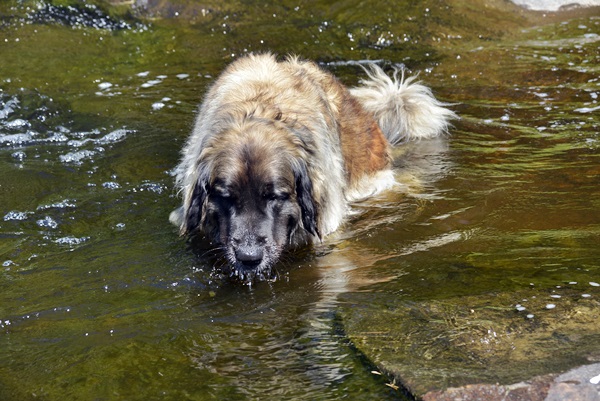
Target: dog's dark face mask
255, 206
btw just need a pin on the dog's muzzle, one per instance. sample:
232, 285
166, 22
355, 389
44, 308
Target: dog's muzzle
249, 256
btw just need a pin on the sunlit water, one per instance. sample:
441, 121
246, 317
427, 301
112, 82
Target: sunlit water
101, 300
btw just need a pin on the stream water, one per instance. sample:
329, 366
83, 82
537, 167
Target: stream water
99, 297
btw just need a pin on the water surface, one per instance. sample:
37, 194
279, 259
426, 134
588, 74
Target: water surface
100, 298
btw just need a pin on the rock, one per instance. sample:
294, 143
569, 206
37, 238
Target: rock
534, 390
575, 385
188, 10
555, 5
474, 342
580, 384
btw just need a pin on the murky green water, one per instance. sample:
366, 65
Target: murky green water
101, 300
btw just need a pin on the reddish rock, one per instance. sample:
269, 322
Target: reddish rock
579, 384
534, 390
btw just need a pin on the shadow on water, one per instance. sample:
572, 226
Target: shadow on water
429, 284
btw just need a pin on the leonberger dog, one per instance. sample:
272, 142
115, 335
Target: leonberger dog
281, 148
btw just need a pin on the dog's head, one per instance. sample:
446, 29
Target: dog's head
253, 196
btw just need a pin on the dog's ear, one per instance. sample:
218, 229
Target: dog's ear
306, 200
193, 214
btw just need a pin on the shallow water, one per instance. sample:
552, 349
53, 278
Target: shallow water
101, 299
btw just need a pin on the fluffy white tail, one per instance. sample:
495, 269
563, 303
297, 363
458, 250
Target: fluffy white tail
403, 108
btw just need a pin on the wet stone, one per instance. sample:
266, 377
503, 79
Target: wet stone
534, 390
87, 15
475, 341
575, 385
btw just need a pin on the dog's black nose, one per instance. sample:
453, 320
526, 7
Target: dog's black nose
249, 256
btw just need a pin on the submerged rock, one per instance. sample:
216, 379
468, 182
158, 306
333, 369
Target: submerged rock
434, 345
176, 8
578, 384
533, 390
87, 15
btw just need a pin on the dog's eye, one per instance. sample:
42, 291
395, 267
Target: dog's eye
222, 192
279, 196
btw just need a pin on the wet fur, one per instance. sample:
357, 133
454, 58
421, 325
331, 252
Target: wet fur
279, 150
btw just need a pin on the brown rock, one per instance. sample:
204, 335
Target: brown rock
574, 385
534, 390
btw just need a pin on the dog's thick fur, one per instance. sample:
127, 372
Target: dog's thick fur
279, 150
